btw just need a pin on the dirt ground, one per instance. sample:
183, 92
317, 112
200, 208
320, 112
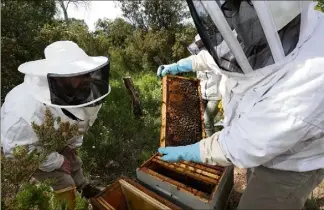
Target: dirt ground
315, 203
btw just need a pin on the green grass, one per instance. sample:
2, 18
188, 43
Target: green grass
118, 143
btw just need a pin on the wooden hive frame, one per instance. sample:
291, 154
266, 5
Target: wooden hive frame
165, 104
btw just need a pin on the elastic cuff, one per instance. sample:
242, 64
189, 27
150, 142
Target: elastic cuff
53, 166
194, 63
211, 153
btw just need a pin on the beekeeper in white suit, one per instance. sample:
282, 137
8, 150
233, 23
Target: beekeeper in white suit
273, 100
73, 86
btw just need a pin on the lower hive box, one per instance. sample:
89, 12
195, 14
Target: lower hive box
125, 194
189, 185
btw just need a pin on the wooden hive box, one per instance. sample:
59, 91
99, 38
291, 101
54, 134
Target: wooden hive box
125, 194
189, 185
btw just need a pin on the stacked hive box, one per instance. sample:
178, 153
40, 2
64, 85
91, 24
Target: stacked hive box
187, 184
125, 194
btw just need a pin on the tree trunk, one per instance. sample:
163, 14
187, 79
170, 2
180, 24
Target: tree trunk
66, 17
136, 103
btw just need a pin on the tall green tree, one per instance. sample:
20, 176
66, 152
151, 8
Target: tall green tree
64, 5
116, 31
165, 15
21, 22
160, 31
133, 11
155, 14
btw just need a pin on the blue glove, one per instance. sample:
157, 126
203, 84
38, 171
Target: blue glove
183, 65
188, 153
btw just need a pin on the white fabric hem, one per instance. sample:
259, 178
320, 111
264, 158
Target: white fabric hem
211, 153
53, 166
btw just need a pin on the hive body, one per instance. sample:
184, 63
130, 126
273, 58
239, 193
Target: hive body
187, 184
125, 194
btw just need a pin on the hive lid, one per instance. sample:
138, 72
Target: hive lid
182, 111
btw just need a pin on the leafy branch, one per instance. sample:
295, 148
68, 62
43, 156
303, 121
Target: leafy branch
320, 5
17, 191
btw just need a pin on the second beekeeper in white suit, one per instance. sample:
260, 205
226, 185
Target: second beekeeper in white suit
209, 86
73, 86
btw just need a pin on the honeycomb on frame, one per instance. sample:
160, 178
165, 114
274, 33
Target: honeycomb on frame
182, 112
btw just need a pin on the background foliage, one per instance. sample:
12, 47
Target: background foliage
320, 5
29, 26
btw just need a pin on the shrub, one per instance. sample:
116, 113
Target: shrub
17, 171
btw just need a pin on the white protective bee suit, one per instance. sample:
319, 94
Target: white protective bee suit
72, 85
271, 55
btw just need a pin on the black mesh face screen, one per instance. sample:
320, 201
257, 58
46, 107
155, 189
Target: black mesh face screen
72, 90
242, 18
201, 27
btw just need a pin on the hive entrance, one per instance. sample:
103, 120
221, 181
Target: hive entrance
182, 122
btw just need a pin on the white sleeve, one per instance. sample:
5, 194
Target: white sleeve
211, 152
17, 132
262, 134
204, 61
52, 162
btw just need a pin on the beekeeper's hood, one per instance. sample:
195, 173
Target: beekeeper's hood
196, 46
69, 79
244, 36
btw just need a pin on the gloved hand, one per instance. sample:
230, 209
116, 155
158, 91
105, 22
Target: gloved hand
183, 65
188, 153
66, 167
